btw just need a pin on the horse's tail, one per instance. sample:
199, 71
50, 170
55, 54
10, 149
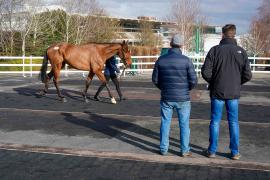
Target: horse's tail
43, 69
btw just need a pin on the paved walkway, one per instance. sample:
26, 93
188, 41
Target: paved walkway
124, 136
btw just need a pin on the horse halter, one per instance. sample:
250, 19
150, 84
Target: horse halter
124, 57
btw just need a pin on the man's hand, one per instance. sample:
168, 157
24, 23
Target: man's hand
118, 75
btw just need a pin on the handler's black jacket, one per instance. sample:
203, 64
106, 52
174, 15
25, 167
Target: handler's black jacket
226, 67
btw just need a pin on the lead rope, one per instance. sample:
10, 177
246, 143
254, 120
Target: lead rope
122, 73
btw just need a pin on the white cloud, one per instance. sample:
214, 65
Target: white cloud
133, 9
218, 12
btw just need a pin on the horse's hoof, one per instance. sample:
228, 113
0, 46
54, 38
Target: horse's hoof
113, 101
96, 98
41, 93
86, 100
64, 100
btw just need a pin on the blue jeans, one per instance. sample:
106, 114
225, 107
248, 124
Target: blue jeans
183, 112
232, 116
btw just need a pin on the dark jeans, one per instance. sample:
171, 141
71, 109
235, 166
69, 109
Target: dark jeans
116, 83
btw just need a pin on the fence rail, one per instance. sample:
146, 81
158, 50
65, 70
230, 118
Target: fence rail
141, 64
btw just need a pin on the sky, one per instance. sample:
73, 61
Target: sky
217, 12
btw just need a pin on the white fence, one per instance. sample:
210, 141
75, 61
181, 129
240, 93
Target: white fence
141, 64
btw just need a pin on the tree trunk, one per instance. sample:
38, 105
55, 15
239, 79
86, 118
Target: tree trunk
35, 37
23, 46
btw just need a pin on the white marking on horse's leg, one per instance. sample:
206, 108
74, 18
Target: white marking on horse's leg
113, 100
56, 48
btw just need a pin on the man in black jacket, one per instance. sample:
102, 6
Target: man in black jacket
175, 76
226, 68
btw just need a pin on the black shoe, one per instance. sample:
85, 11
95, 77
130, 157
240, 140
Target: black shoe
97, 98
122, 98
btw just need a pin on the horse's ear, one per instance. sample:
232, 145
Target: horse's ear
124, 41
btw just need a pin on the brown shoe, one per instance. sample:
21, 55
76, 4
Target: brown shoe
162, 153
236, 156
186, 154
209, 154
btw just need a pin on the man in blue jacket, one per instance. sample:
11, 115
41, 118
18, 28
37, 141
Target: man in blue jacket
226, 68
175, 76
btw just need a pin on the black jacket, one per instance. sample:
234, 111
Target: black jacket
174, 75
226, 67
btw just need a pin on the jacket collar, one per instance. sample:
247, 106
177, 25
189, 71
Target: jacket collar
228, 41
175, 50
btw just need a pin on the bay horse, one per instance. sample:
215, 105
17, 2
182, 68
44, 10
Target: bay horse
89, 57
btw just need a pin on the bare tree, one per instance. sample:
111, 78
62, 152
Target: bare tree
146, 35
98, 27
53, 22
258, 40
185, 14
86, 20
9, 22
255, 42
94, 25
102, 29
264, 19
3, 37
83, 21
39, 22
70, 7
26, 18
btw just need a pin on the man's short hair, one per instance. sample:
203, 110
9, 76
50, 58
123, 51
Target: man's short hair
229, 30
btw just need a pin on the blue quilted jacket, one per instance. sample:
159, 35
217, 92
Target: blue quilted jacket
111, 67
174, 75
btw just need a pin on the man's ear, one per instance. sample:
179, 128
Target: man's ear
223, 35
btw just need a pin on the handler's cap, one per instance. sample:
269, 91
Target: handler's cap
177, 39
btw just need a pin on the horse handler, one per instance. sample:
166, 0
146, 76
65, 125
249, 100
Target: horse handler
111, 72
175, 76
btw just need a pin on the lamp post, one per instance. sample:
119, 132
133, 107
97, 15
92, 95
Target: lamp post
197, 41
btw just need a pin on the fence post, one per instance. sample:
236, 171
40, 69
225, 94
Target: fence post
197, 67
83, 74
254, 62
23, 58
197, 63
66, 70
31, 67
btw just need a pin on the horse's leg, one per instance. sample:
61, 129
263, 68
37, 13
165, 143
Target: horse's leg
46, 88
49, 77
96, 97
102, 78
117, 86
87, 84
56, 72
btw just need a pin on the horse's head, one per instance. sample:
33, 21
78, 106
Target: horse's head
124, 54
